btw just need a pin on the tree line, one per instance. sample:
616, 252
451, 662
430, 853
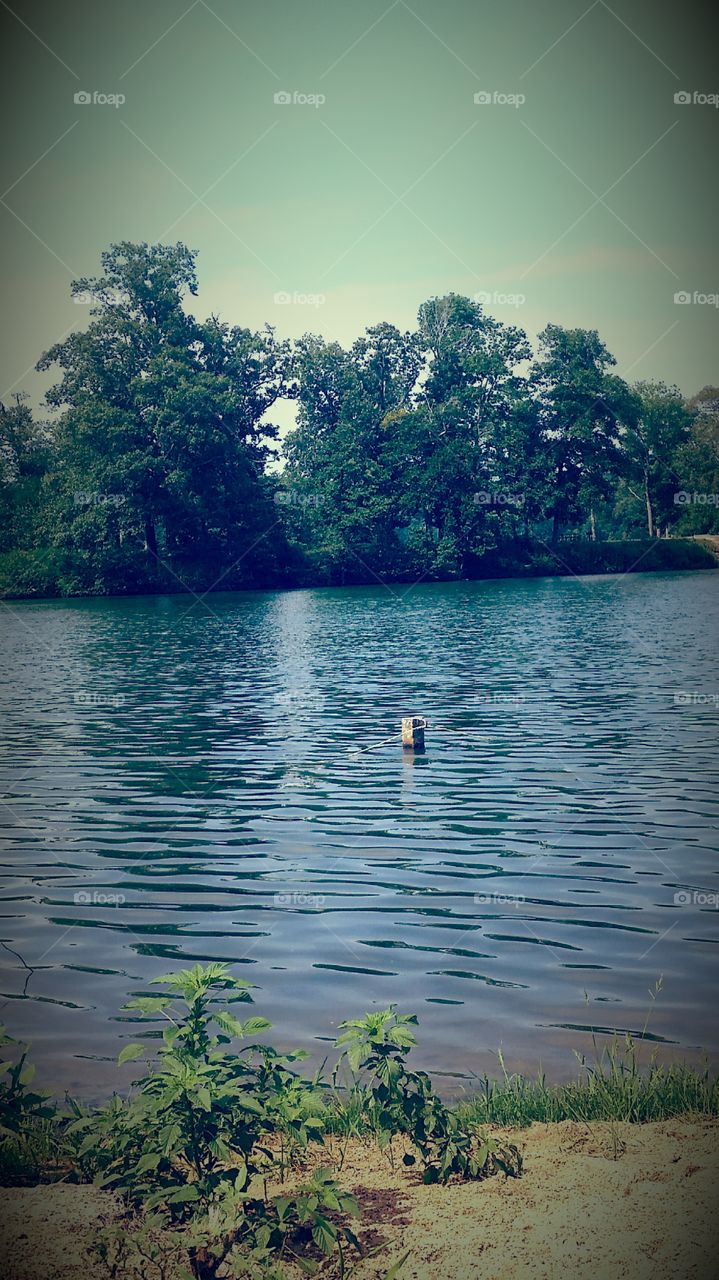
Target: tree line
449, 451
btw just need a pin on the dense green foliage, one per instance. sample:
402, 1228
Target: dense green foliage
450, 451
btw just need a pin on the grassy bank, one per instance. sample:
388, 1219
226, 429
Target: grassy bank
613, 1089
635, 556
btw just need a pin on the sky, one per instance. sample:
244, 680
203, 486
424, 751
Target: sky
574, 190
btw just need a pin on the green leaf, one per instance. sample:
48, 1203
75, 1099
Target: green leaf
229, 1023
78, 1126
184, 1195
282, 1204
352, 1239
349, 1204
157, 1197
149, 1161
324, 1235
396, 1267
255, 1025
129, 1052
305, 1264
149, 1004
248, 1103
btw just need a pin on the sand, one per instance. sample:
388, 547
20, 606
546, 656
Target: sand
614, 1201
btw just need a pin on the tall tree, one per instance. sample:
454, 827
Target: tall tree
165, 414
25, 459
584, 410
697, 465
458, 472
338, 481
661, 427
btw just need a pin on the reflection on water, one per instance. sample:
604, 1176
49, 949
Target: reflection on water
179, 785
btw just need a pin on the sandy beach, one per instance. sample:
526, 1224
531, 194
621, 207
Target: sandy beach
616, 1200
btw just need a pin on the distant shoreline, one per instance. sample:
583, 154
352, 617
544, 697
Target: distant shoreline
24, 574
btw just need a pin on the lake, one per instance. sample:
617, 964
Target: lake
179, 785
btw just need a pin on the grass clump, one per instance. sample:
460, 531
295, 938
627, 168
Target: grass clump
29, 1137
614, 1088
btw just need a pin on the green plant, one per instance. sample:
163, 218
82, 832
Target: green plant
293, 1106
240, 1236
200, 1133
400, 1101
18, 1103
309, 1209
142, 1248
196, 1118
28, 1137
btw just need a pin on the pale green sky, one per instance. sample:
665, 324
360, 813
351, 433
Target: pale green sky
595, 200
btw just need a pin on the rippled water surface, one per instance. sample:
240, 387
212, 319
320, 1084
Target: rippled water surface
179, 785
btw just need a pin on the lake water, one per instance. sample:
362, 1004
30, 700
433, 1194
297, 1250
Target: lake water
179, 785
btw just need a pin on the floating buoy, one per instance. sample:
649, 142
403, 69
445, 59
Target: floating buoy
413, 728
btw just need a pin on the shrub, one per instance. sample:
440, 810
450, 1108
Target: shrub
400, 1101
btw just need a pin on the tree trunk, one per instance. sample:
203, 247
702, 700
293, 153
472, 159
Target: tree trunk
151, 539
593, 524
650, 513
